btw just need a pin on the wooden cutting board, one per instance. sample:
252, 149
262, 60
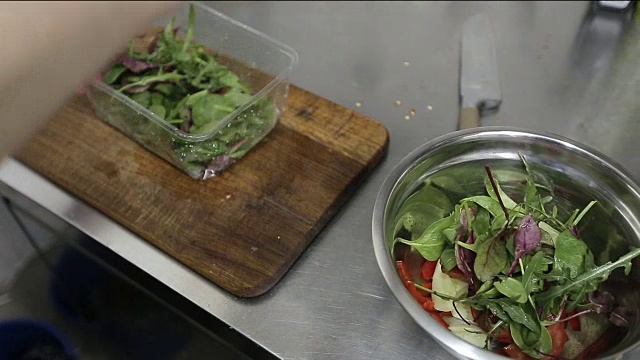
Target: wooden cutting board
242, 230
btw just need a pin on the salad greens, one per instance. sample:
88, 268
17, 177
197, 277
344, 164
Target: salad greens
181, 82
511, 270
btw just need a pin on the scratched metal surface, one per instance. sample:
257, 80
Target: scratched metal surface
559, 73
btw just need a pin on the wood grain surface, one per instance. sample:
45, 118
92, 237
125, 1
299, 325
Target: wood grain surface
243, 229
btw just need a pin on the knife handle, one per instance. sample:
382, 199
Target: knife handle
469, 118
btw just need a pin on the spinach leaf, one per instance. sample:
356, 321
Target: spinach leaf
518, 314
486, 286
533, 271
145, 81
482, 222
546, 344
158, 109
498, 222
487, 203
448, 259
211, 108
114, 73
523, 337
497, 310
421, 209
570, 254
450, 233
143, 98
490, 293
431, 243
446, 182
491, 258
237, 97
508, 202
510, 312
429, 195
513, 289
417, 217
553, 233
533, 343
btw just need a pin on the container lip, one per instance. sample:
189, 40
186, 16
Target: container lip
279, 78
448, 340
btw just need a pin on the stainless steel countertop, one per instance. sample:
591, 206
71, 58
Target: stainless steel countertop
559, 73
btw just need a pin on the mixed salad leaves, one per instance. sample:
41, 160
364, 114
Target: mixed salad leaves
181, 82
508, 275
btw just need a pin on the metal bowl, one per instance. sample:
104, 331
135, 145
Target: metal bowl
579, 174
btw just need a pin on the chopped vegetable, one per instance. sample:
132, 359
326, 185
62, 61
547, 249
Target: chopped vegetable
515, 277
470, 332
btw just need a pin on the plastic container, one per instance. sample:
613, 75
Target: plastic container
30, 339
257, 59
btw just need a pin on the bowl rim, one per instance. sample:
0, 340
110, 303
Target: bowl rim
455, 345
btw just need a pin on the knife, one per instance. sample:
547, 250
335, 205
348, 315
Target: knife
480, 93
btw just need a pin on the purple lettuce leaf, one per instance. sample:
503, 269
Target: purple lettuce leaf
527, 239
136, 66
217, 165
574, 231
142, 88
465, 259
138, 89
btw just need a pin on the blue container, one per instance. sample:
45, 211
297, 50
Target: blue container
33, 340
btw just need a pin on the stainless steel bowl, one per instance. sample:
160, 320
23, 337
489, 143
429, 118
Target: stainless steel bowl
578, 174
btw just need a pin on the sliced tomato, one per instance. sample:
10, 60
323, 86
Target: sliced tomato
574, 322
504, 336
438, 317
413, 261
482, 320
428, 268
514, 352
417, 294
428, 285
428, 305
558, 339
402, 271
456, 273
475, 313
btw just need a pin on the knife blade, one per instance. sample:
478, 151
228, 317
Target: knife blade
480, 92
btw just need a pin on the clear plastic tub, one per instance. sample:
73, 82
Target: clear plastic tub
257, 59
